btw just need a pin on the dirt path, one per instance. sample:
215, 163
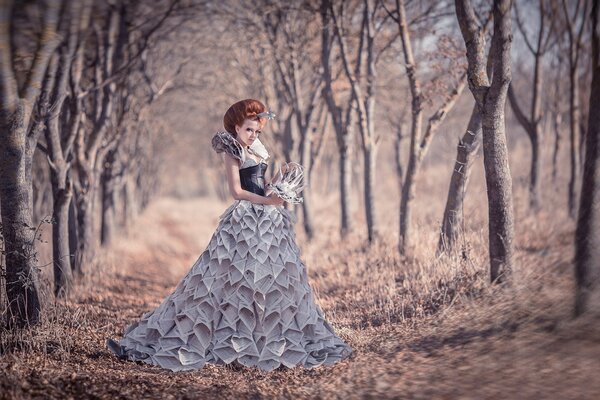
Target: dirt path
513, 344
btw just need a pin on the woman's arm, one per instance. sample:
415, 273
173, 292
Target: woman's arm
235, 187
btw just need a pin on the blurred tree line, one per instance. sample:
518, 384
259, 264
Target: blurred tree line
75, 89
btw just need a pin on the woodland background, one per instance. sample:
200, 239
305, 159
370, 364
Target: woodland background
450, 223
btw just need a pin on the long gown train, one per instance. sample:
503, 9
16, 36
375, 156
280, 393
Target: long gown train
246, 299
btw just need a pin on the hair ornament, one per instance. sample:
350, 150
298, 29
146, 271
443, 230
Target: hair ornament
266, 114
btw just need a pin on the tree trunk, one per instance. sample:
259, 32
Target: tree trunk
91, 152
130, 202
17, 146
398, 157
465, 155
365, 109
408, 194
109, 186
73, 232
408, 189
370, 156
62, 194
85, 229
495, 151
345, 164
531, 125
587, 236
491, 99
573, 141
534, 185
556, 122
306, 162
108, 217
61, 252
343, 126
17, 227
536, 118
59, 150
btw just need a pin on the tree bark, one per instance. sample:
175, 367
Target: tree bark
408, 189
91, 150
130, 202
108, 182
573, 141
343, 126
532, 128
306, 135
17, 226
574, 34
531, 123
290, 73
370, 141
365, 103
345, 163
17, 145
398, 156
85, 229
419, 144
370, 157
556, 125
61, 191
587, 235
60, 140
466, 149
491, 98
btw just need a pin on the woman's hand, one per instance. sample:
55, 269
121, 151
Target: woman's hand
274, 200
277, 176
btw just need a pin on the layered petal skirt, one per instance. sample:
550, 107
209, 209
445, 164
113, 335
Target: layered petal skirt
245, 300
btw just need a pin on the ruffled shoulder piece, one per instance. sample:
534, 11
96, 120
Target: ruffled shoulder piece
259, 149
224, 142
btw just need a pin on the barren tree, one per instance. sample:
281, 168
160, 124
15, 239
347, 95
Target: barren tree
532, 122
302, 85
575, 24
466, 150
59, 139
17, 145
364, 99
587, 236
490, 96
118, 49
92, 148
468, 145
557, 111
341, 114
419, 142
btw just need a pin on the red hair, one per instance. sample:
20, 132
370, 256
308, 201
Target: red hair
242, 110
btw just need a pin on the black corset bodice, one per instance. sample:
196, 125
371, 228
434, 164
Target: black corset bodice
253, 178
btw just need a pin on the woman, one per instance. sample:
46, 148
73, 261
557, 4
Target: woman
246, 300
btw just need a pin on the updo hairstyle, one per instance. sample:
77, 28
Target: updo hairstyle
242, 110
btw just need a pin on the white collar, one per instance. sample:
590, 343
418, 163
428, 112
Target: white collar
259, 149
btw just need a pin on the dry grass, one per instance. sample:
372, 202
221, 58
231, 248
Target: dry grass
421, 326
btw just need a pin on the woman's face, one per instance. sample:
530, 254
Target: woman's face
248, 132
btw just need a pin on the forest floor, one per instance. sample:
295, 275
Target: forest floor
420, 328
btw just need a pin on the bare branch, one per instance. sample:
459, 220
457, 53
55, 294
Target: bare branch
47, 45
8, 90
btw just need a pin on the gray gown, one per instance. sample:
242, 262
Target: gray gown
246, 300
